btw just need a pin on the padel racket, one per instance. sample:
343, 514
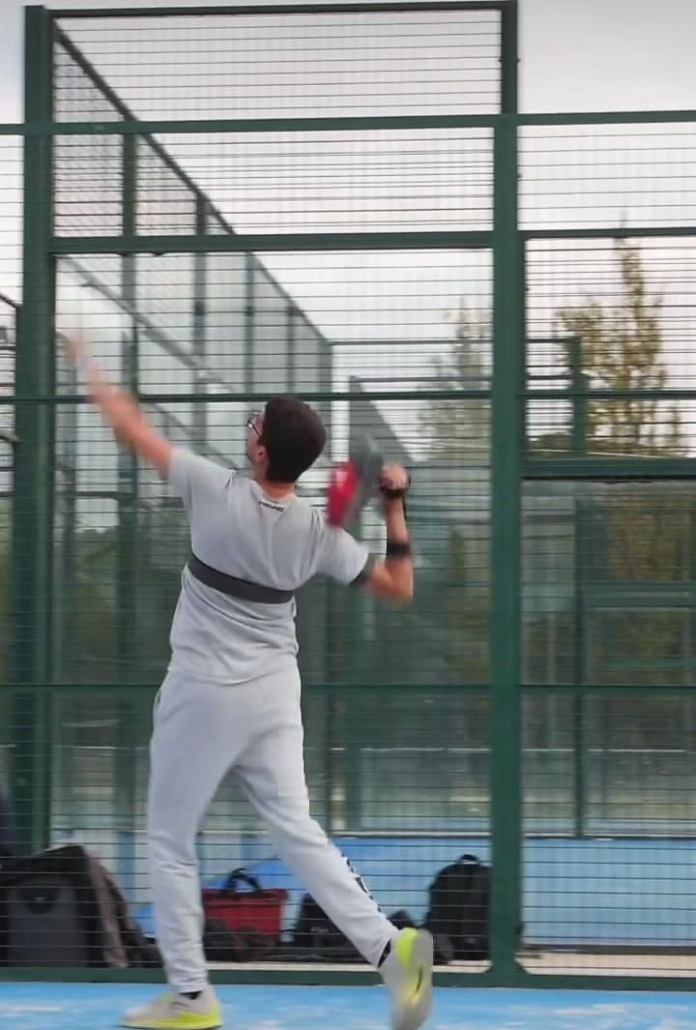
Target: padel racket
353, 483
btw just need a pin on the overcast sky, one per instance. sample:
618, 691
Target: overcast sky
576, 54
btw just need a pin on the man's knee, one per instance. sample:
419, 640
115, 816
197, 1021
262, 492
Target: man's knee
171, 841
299, 830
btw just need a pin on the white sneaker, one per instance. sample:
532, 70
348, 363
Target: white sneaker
173, 1011
408, 974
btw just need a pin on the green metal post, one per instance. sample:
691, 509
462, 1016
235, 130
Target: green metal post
290, 315
509, 57
578, 383
64, 617
127, 588
35, 462
507, 441
199, 413
131, 709
507, 438
249, 377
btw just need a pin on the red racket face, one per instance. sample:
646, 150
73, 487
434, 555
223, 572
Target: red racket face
353, 483
342, 494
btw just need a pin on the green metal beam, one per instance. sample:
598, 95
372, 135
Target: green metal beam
427, 240
611, 232
284, 10
349, 688
586, 393
243, 396
132, 126
607, 117
625, 467
504, 628
259, 242
7, 400
588, 690
34, 468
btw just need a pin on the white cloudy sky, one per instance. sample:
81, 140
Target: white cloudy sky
576, 54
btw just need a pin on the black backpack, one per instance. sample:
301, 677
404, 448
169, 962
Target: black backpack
314, 932
317, 939
459, 897
63, 907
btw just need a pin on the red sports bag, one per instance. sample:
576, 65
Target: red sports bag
257, 909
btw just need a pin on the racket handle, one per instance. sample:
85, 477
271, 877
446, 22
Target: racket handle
394, 493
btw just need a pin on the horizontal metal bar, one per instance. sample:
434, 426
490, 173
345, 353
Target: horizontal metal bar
253, 397
668, 394
131, 126
592, 467
309, 688
439, 341
610, 232
597, 600
254, 242
249, 243
177, 126
275, 10
605, 117
449, 393
593, 689
596, 689
658, 691
313, 397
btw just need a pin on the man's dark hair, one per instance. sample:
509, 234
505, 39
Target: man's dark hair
294, 437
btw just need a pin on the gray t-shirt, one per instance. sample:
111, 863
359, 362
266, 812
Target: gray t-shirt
238, 529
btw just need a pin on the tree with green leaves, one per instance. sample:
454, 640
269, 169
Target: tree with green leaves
451, 590
607, 345
618, 346
459, 430
635, 534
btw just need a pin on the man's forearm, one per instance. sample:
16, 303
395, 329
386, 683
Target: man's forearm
128, 421
398, 558
395, 520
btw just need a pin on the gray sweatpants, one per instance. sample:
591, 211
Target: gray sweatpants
201, 731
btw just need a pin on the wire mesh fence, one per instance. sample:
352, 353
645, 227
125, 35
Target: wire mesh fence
299, 64
358, 259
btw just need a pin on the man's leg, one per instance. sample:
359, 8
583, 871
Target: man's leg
199, 730
271, 771
272, 774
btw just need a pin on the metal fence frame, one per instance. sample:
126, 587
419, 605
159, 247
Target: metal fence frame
36, 401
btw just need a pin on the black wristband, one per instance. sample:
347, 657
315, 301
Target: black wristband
398, 549
393, 494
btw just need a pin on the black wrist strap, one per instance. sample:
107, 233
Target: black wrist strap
398, 549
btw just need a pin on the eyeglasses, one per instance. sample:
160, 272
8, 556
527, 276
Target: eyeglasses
252, 420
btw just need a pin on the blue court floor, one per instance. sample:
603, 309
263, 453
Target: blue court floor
98, 1007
